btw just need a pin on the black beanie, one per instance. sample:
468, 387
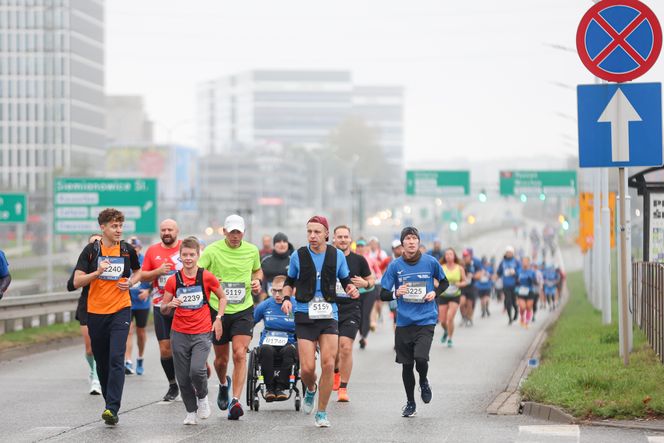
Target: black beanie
409, 230
279, 236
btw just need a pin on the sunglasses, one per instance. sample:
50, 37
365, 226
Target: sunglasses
277, 291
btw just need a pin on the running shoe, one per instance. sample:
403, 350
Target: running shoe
449, 343
190, 419
342, 395
235, 410
109, 417
139, 367
363, 343
337, 381
322, 420
203, 408
95, 387
173, 392
425, 390
410, 410
222, 398
129, 370
443, 339
308, 404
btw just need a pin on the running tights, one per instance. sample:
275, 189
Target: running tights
422, 367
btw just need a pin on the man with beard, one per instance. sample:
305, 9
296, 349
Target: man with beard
161, 261
275, 263
349, 310
411, 280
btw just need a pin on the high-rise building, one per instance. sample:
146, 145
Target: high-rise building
381, 107
51, 89
126, 120
262, 107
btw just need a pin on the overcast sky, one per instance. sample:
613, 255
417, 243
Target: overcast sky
481, 81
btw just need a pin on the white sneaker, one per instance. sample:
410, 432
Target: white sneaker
203, 408
95, 387
190, 419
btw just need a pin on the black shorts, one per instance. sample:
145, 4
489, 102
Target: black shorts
141, 317
239, 323
308, 329
350, 317
162, 324
82, 310
469, 293
484, 292
413, 342
447, 300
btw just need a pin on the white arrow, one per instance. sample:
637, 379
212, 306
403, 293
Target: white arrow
619, 112
18, 207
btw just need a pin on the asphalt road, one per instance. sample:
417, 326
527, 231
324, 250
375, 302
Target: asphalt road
45, 397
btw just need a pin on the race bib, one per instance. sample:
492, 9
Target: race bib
340, 291
524, 290
451, 290
484, 279
320, 309
416, 292
162, 279
191, 297
276, 338
115, 270
550, 282
235, 292
509, 272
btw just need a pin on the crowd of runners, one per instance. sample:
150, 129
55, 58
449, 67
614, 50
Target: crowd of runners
312, 301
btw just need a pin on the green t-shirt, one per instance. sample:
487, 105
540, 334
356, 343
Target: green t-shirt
232, 266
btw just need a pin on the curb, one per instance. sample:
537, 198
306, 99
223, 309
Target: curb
643, 425
509, 402
51, 345
547, 412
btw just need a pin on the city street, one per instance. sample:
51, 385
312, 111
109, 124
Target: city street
45, 397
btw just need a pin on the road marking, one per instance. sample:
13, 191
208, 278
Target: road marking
564, 431
657, 439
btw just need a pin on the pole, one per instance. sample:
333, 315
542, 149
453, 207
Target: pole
597, 240
628, 236
623, 270
605, 274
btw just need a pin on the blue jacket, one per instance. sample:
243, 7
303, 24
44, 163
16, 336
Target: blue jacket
269, 311
508, 269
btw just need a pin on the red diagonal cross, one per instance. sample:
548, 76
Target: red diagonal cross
619, 39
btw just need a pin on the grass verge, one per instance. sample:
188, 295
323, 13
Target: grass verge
39, 335
580, 369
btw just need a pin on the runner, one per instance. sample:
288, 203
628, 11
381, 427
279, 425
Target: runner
161, 261
449, 298
397, 250
527, 292
188, 293
106, 265
469, 291
349, 310
368, 300
413, 278
5, 276
276, 263
140, 311
236, 263
277, 339
484, 285
551, 278
507, 272
82, 317
267, 247
378, 255
437, 250
313, 272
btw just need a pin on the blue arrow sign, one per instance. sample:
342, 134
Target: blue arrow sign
620, 125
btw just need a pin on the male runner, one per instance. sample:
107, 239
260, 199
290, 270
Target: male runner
313, 273
349, 310
236, 263
414, 277
161, 261
110, 267
5, 276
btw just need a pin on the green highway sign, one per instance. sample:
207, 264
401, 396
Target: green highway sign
13, 208
533, 183
438, 183
78, 202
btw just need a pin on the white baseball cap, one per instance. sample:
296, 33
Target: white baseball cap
396, 243
510, 249
234, 223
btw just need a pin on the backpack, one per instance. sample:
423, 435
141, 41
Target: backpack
96, 252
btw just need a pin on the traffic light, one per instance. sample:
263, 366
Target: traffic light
542, 196
453, 226
523, 198
482, 197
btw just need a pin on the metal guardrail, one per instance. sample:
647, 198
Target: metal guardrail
648, 302
30, 311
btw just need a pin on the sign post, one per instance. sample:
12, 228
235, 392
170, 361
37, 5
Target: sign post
620, 125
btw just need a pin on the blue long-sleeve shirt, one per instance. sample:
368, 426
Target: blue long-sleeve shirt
269, 311
508, 269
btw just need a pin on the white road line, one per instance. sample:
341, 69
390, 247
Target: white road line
658, 439
572, 431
